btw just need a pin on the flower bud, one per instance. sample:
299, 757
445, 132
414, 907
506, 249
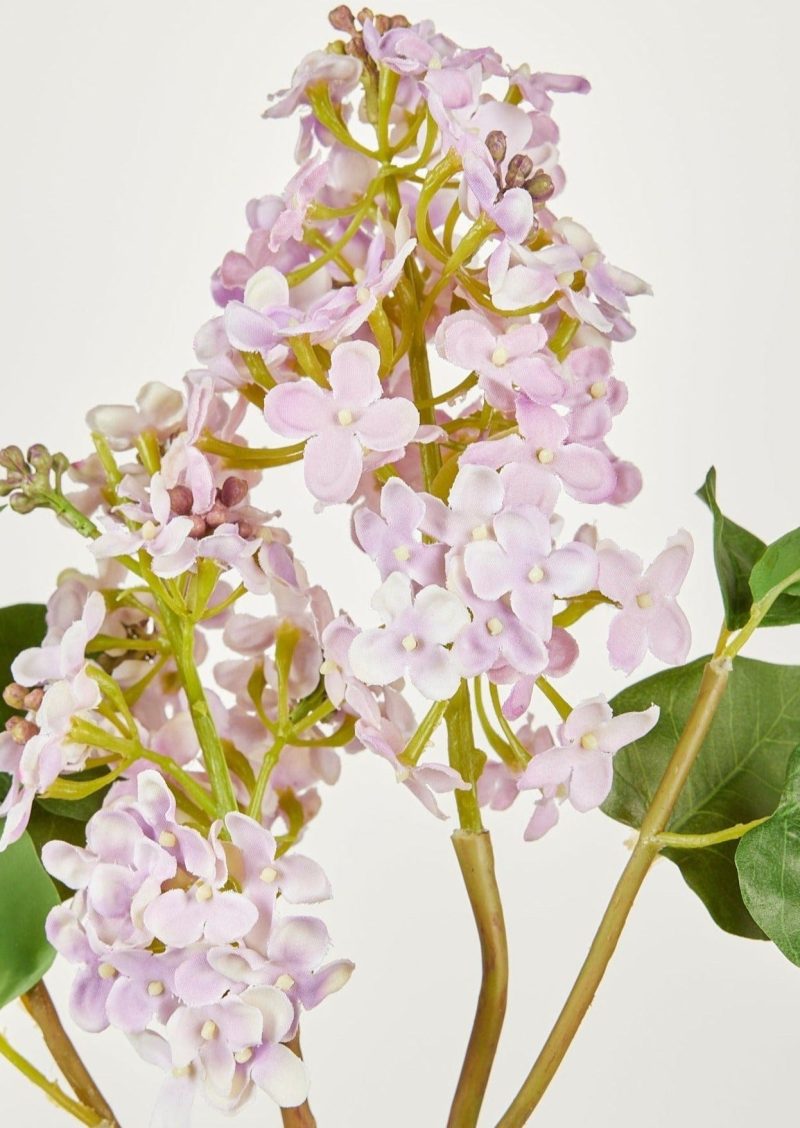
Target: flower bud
246, 530
342, 19
216, 516
364, 15
496, 143
399, 21
21, 503
11, 458
234, 490
20, 730
181, 500
40, 458
382, 24
540, 186
519, 169
14, 696
199, 527
34, 698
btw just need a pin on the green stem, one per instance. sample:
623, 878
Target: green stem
562, 707
476, 861
521, 753
255, 458
666, 840
265, 771
712, 687
430, 455
427, 727
53, 1091
464, 757
181, 637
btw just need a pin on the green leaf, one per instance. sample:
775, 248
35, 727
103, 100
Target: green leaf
21, 626
780, 561
768, 861
736, 778
736, 552
26, 897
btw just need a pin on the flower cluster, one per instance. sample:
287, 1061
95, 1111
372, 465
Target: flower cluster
182, 943
412, 321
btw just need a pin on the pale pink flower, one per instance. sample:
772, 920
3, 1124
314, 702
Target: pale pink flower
580, 765
413, 640
649, 619
340, 424
158, 408
507, 358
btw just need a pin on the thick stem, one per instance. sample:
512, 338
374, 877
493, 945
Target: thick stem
40, 1007
476, 859
302, 1116
712, 687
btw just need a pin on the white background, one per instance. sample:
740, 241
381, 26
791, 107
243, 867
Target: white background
131, 140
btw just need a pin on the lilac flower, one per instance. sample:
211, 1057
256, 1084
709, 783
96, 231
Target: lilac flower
586, 473
507, 359
424, 781
497, 637
476, 497
165, 537
537, 87
649, 619
393, 541
498, 786
580, 765
511, 210
522, 563
340, 73
519, 277
35, 750
261, 876
413, 640
66, 658
158, 408
608, 284
339, 424
593, 394
298, 194
341, 313
341, 684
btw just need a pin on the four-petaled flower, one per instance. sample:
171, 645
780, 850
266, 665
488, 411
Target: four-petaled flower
340, 424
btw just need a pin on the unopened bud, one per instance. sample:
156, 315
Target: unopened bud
12, 458
60, 463
246, 530
382, 24
496, 143
540, 186
519, 169
181, 500
364, 15
216, 516
399, 21
40, 458
342, 19
234, 490
21, 503
34, 698
199, 527
14, 696
20, 730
